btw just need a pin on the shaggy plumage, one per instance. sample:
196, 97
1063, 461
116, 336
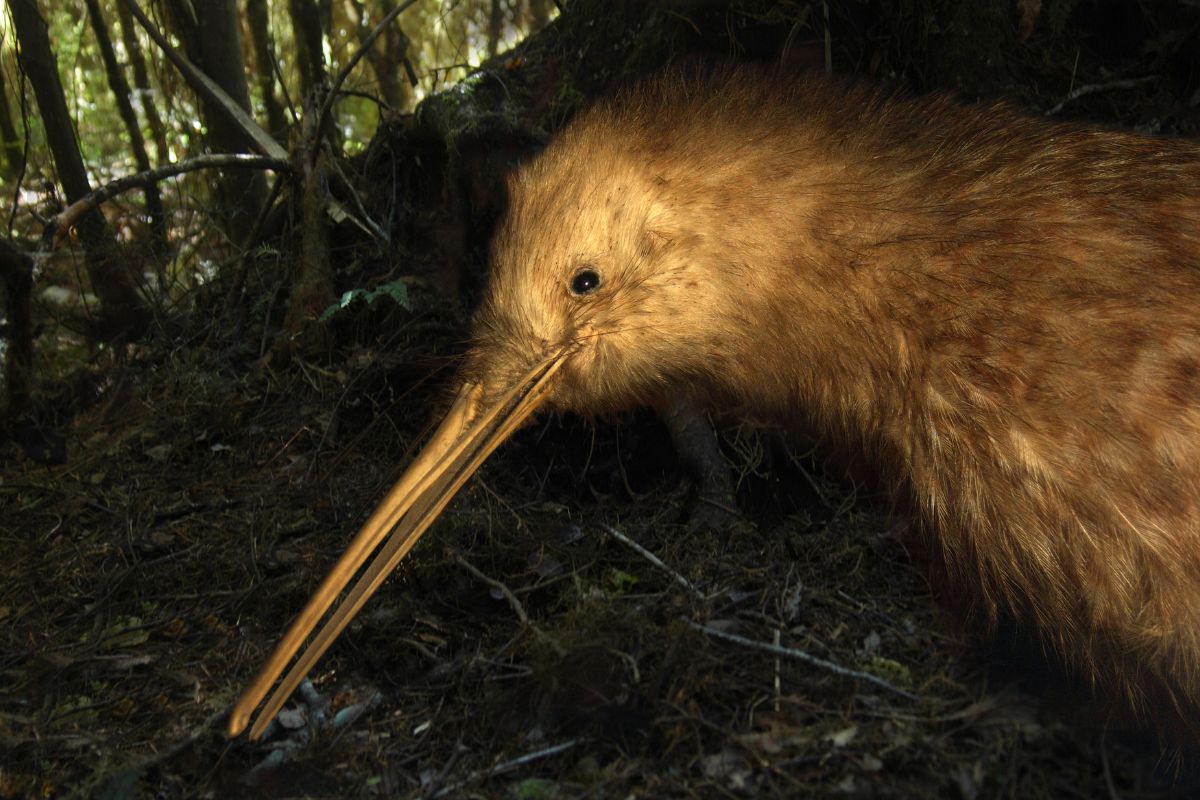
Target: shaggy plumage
1001, 312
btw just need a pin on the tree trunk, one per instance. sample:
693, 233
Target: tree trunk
122, 313
258, 19
309, 36
181, 18
539, 14
16, 275
312, 284
141, 79
386, 55
212, 39
121, 93
495, 27
10, 140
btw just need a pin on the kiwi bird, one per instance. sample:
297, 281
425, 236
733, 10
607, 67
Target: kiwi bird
1000, 313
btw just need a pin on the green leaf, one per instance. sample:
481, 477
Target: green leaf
535, 789
622, 581
395, 290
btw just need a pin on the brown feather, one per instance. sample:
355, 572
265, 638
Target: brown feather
1000, 311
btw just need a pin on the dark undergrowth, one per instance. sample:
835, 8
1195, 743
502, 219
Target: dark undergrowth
523, 650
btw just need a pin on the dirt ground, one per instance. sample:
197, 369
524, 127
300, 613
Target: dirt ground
524, 649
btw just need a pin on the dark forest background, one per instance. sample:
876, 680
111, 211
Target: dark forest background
241, 243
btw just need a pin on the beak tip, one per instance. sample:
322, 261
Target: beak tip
236, 723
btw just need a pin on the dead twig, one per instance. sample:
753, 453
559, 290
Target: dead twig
800, 655
655, 560
1093, 88
508, 595
507, 766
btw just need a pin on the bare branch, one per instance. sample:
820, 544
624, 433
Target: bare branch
63, 222
354, 59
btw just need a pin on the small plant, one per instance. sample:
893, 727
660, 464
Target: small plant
396, 290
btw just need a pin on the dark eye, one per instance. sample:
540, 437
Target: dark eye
586, 281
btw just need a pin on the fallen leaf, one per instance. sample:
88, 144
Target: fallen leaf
843, 737
159, 452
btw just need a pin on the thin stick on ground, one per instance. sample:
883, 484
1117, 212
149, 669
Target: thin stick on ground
508, 595
655, 560
1093, 88
800, 655
508, 766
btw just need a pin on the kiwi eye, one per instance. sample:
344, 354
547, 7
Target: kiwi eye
586, 281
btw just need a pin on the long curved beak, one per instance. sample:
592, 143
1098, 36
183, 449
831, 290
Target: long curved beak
465, 438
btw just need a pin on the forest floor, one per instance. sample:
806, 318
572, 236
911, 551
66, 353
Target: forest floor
523, 650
